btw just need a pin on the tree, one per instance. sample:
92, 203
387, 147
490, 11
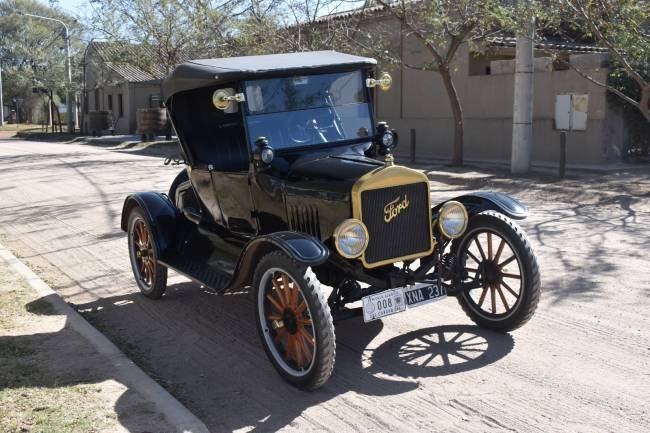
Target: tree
31, 51
442, 27
620, 26
172, 30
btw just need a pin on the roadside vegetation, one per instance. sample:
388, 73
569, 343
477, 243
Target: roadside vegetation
33, 398
20, 127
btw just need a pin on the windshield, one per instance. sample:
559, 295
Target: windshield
308, 110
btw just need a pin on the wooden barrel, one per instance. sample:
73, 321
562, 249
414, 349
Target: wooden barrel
152, 121
98, 121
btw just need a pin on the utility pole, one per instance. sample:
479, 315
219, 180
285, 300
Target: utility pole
522, 116
69, 99
2, 107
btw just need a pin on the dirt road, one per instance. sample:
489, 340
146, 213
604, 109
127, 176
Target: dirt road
581, 364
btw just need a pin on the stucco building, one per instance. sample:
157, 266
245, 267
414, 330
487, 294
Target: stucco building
418, 105
112, 82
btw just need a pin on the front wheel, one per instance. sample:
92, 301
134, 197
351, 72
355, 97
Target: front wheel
294, 321
495, 255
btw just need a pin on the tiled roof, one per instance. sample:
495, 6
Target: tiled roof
549, 44
120, 57
501, 41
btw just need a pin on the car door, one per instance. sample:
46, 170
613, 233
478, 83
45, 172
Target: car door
230, 177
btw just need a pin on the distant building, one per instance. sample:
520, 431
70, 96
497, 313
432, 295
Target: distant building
418, 106
112, 83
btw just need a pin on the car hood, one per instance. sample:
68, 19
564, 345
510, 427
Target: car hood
342, 166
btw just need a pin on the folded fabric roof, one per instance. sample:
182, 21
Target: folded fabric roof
210, 72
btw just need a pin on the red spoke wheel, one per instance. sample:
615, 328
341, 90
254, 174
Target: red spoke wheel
496, 256
150, 276
294, 321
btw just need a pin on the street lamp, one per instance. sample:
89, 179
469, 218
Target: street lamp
69, 100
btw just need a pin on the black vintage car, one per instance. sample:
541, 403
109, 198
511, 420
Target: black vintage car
290, 189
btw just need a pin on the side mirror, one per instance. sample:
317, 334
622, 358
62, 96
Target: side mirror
264, 154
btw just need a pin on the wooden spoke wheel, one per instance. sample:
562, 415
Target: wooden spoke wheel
150, 276
495, 257
295, 323
288, 315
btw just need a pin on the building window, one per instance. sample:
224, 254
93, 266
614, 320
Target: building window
96, 99
120, 105
110, 102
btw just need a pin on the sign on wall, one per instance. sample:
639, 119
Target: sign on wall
571, 112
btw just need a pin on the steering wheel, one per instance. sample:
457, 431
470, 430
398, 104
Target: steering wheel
303, 131
300, 130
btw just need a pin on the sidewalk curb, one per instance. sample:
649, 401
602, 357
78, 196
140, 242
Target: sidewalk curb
128, 373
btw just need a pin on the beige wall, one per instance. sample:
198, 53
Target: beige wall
418, 100
134, 95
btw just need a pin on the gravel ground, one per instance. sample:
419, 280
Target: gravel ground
581, 364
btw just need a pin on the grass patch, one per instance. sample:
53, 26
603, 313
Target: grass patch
32, 398
20, 127
38, 135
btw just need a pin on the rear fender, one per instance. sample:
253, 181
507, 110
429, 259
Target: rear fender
161, 215
480, 201
301, 247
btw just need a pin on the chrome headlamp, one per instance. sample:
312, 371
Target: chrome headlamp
351, 238
388, 139
452, 219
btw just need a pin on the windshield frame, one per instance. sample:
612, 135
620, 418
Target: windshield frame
365, 72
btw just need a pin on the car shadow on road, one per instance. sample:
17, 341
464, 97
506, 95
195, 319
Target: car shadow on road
213, 362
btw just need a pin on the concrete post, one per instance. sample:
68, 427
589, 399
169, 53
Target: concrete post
522, 119
2, 107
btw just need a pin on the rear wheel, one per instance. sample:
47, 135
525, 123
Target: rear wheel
294, 321
149, 274
495, 253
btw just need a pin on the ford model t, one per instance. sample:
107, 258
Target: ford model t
290, 189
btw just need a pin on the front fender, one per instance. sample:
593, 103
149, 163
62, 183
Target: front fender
480, 201
301, 247
161, 215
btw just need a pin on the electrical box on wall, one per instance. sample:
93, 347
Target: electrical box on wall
571, 112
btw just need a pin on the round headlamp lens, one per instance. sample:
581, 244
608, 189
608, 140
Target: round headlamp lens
387, 139
453, 219
267, 155
351, 238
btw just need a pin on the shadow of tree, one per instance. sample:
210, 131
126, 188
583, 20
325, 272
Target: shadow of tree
64, 359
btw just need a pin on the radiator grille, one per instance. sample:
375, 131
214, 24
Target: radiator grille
304, 219
407, 232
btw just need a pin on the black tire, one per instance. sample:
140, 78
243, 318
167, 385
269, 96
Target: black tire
178, 180
150, 275
276, 340
493, 274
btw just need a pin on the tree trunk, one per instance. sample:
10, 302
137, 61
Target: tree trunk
457, 111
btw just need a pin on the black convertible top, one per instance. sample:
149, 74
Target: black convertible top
209, 72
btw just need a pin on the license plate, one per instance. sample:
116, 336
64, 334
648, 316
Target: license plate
423, 293
383, 304
397, 300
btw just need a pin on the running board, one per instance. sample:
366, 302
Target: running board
200, 273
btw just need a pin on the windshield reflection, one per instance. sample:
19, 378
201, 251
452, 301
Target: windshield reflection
308, 110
